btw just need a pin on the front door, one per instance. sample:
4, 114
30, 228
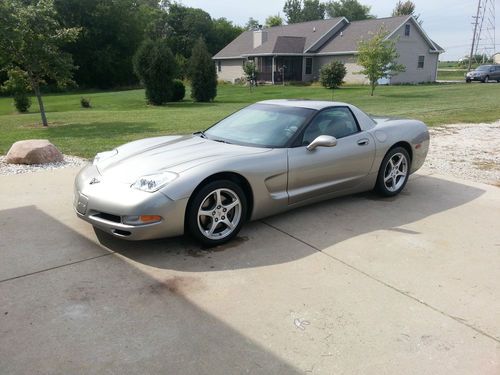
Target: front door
330, 169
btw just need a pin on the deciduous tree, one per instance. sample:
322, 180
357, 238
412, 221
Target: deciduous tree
275, 20
378, 57
31, 38
350, 9
405, 8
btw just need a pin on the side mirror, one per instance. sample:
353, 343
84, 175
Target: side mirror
322, 141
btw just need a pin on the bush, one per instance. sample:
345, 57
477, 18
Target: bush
178, 90
156, 67
332, 75
85, 103
22, 102
202, 73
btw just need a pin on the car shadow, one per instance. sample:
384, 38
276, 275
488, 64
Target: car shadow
318, 226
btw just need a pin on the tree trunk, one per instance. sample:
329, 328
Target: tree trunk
36, 89
373, 89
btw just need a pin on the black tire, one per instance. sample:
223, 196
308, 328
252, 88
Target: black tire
220, 216
486, 79
468, 81
389, 182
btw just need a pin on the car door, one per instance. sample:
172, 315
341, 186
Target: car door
329, 169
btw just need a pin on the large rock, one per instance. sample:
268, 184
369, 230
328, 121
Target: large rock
33, 151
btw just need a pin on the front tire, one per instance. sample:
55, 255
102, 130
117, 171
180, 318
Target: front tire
216, 213
394, 172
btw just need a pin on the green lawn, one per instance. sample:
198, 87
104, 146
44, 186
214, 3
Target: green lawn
119, 117
451, 74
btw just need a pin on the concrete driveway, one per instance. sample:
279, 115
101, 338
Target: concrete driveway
358, 285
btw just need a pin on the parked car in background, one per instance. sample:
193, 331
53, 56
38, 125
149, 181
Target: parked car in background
264, 159
484, 73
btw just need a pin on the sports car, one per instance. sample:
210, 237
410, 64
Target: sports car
264, 159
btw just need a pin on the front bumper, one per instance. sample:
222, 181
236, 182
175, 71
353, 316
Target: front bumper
474, 78
104, 203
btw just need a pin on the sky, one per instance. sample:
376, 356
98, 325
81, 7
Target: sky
448, 22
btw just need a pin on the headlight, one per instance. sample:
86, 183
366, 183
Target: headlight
154, 182
104, 155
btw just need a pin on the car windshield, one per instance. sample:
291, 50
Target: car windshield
261, 125
483, 68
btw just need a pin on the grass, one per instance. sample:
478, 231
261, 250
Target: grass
451, 74
119, 117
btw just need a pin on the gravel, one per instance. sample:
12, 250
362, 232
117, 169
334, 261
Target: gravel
69, 161
468, 151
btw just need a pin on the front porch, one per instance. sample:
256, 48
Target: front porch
275, 69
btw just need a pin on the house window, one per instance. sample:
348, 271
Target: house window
219, 66
407, 30
309, 65
421, 60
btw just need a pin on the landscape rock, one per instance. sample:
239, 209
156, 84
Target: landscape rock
33, 151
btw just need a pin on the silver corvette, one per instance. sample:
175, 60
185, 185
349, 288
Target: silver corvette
269, 157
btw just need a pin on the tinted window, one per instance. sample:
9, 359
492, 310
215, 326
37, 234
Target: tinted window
484, 68
262, 125
337, 122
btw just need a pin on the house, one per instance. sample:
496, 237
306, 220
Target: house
297, 52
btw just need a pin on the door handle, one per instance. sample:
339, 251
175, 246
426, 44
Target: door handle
363, 142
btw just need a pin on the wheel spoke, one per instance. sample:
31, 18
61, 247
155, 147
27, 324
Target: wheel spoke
391, 163
401, 173
228, 223
218, 200
231, 205
210, 230
202, 212
394, 182
387, 178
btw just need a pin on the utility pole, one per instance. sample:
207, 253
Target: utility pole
476, 22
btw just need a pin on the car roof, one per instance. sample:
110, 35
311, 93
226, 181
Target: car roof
304, 103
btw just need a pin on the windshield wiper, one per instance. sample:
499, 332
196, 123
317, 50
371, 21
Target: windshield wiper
221, 141
201, 134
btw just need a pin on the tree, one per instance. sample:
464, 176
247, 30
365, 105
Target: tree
378, 57
155, 66
250, 72
202, 73
18, 86
272, 21
31, 38
302, 11
252, 24
350, 9
332, 75
405, 8
223, 32
111, 33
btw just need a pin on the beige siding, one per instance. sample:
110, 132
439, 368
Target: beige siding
230, 69
409, 49
350, 63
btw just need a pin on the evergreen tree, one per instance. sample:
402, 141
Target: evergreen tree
202, 73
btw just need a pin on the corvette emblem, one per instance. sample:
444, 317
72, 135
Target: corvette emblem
94, 181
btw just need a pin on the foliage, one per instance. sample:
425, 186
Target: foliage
31, 38
332, 75
202, 73
252, 24
178, 90
250, 70
378, 58
22, 102
405, 8
111, 33
350, 9
155, 66
85, 102
182, 66
304, 10
223, 33
274, 20
18, 86
477, 59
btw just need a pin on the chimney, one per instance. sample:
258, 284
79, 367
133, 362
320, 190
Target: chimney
259, 37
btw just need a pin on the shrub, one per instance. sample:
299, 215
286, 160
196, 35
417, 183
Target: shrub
332, 74
202, 73
85, 103
156, 67
178, 90
22, 101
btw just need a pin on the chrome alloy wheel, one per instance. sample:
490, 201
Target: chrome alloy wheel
395, 172
219, 214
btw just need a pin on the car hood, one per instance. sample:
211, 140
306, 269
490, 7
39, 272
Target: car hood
171, 153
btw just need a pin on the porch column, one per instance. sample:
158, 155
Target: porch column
273, 67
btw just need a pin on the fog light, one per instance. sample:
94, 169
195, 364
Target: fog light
141, 219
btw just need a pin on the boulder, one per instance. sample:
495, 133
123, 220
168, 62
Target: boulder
33, 151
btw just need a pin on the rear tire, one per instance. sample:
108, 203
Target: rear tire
394, 172
216, 213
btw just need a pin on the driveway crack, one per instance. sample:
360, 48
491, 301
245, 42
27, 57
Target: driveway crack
402, 292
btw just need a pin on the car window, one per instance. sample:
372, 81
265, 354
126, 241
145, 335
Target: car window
337, 122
